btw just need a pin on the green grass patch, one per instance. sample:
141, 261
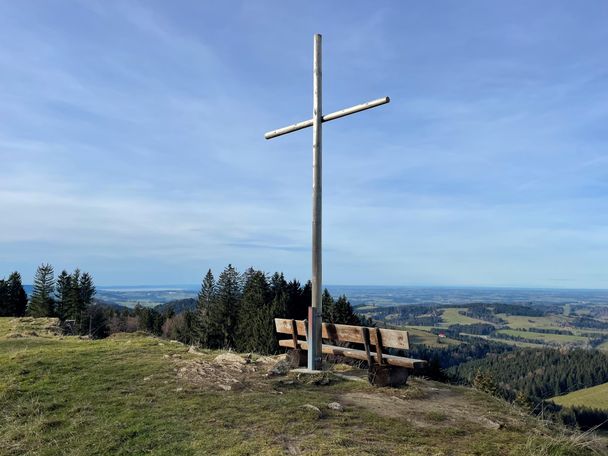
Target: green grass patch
123, 396
554, 338
593, 397
452, 316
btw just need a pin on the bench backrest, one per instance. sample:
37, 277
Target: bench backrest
389, 338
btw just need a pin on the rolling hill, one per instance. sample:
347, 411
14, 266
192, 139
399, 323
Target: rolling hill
594, 397
136, 394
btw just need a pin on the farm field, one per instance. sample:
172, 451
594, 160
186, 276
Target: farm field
594, 397
452, 316
419, 337
524, 322
549, 338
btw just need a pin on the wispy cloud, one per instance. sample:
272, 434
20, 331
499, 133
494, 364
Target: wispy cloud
131, 141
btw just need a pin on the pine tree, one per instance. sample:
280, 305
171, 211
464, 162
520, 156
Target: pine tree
206, 297
223, 312
295, 307
63, 293
343, 313
73, 305
16, 295
4, 301
87, 289
41, 304
252, 318
328, 307
280, 294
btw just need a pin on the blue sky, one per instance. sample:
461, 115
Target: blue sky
131, 140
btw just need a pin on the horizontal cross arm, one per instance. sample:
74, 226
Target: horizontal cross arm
327, 117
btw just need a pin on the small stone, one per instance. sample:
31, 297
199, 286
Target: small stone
312, 408
177, 390
280, 368
161, 344
165, 356
192, 350
225, 387
147, 378
335, 406
230, 358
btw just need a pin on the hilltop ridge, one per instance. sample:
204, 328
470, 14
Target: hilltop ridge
133, 394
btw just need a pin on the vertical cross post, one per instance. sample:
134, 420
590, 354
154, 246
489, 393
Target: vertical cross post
316, 311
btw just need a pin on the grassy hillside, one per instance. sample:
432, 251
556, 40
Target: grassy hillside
135, 394
594, 397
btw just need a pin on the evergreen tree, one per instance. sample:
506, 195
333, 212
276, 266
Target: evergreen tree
253, 321
328, 307
343, 313
296, 308
4, 305
42, 303
87, 290
206, 297
223, 311
73, 305
63, 293
16, 295
280, 294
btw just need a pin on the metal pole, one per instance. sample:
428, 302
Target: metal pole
327, 117
316, 311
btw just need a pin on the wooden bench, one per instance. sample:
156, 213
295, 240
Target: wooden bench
384, 369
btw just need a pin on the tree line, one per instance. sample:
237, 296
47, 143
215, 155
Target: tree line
69, 297
530, 376
237, 311
13, 299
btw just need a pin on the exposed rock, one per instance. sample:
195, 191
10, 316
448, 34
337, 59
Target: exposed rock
270, 359
313, 409
335, 406
280, 368
488, 423
192, 350
231, 358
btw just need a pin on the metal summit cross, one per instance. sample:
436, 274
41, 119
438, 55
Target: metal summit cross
315, 311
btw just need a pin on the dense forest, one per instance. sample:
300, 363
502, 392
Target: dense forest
530, 376
236, 311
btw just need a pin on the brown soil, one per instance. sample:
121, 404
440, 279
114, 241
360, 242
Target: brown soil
427, 404
228, 372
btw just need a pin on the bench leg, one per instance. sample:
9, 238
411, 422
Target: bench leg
297, 358
387, 375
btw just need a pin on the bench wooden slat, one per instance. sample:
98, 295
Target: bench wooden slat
391, 360
391, 338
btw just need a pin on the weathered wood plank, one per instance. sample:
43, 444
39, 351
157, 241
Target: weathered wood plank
342, 333
359, 354
391, 338
366, 344
378, 345
285, 326
394, 338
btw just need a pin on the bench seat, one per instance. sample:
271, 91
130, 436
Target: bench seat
391, 360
